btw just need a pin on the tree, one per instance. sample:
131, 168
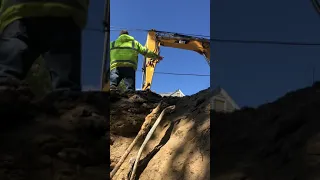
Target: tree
38, 78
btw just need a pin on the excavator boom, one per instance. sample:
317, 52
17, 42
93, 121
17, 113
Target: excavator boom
155, 39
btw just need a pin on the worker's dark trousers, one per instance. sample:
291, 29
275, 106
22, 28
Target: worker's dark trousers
57, 39
127, 74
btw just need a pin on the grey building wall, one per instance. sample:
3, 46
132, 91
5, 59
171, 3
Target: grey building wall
221, 96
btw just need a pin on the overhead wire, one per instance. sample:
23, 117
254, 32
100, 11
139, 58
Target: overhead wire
146, 30
316, 5
219, 40
165, 73
115, 28
180, 74
291, 43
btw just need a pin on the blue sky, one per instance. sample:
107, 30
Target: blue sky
167, 15
255, 74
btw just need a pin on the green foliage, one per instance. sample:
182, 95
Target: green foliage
38, 78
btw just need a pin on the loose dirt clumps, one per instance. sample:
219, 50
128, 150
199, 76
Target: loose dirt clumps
61, 137
179, 148
277, 141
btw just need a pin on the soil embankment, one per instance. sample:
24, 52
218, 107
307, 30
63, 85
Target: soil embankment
180, 146
277, 141
61, 137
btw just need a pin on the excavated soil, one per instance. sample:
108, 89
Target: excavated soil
61, 137
180, 146
277, 141
65, 137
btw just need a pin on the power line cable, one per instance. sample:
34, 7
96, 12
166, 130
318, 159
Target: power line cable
291, 43
180, 74
167, 73
264, 42
233, 40
112, 28
94, 29
146, 30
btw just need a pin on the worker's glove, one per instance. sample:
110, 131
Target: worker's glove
160, 58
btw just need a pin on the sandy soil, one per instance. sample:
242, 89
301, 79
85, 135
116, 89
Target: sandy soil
180, 146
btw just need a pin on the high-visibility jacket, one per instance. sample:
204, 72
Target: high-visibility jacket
11, 10
124, 52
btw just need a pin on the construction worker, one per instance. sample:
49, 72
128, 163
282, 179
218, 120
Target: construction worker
53, 28
124, 60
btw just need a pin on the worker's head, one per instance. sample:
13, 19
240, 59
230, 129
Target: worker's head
124, 32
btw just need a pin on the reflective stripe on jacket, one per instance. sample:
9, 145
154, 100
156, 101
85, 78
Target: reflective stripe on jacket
124, 52
11, 10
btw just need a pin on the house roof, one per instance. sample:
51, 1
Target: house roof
223, 92
216, 91
173, 93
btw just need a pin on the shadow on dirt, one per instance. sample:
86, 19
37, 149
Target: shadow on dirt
278, 141
180, 146
63, 136
143, 163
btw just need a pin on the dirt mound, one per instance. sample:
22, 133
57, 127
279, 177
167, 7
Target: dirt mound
61, 137
179, 148
277, 141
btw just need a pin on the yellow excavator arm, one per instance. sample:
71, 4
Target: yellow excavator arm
155, 39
